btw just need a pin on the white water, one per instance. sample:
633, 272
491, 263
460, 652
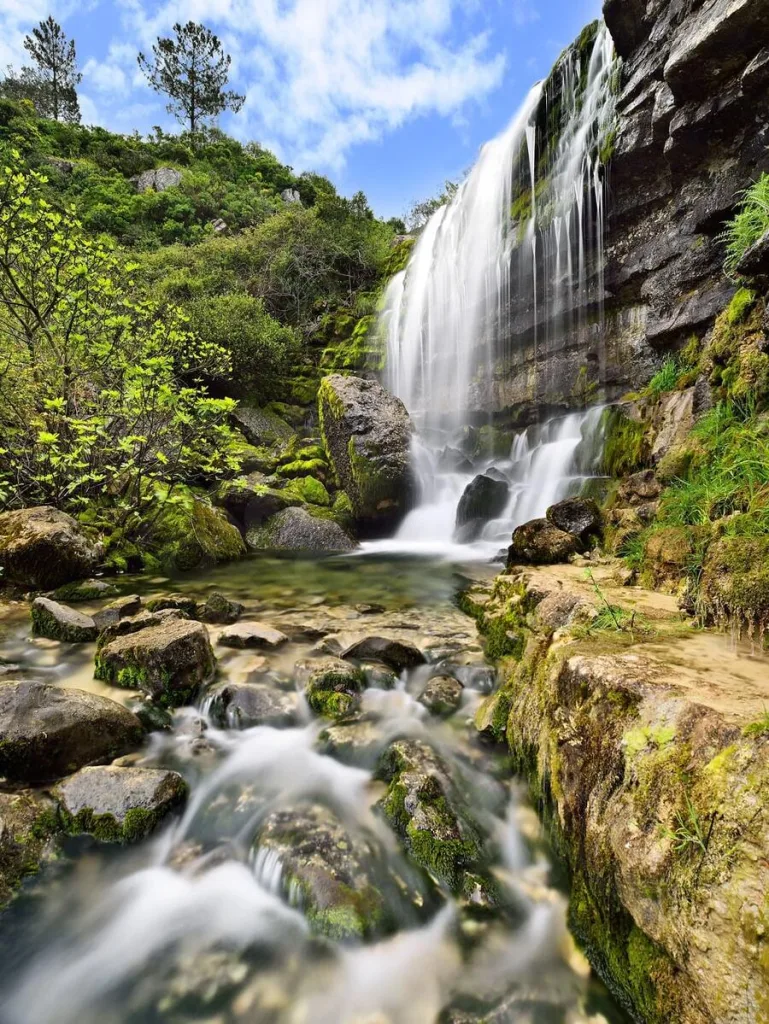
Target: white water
445, 315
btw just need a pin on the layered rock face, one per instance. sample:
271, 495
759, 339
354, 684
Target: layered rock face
691, 133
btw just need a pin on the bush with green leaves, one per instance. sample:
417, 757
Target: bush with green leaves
100, 389
749, 225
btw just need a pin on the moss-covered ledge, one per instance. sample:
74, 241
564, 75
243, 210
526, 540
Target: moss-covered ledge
656, 804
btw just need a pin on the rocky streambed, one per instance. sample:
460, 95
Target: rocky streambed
259, 795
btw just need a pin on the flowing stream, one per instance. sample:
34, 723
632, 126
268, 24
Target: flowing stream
201, 922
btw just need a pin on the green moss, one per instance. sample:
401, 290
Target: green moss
305, 467
626, 444
84, 590
192, 534
137, 823
740, 306
329, 704
735, 581
308, 489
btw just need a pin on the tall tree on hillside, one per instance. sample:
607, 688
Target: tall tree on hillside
192, 70
52, 82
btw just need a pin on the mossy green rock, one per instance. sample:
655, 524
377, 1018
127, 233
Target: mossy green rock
296, 529
332, 686
27, 827
118, 805
43, 548
367, 434
541, 543
735, 582
194, 536
326, 871
85, 590
169, 662
58, 622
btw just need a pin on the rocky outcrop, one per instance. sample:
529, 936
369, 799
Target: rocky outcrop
157, 180
46, 731
367, 434
42, 548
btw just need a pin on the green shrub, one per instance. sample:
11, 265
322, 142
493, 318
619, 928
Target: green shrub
749, 224
664, 380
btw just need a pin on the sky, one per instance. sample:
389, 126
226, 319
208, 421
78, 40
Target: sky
391, 97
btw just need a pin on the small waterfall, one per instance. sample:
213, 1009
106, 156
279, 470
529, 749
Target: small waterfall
523, 233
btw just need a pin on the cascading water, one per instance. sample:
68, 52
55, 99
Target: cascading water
525, 230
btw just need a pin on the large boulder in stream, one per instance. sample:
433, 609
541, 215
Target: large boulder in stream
59, 622
47, 731
43, 548
295, 529
541, 543
580, 516
484, 499
245, 705
367, 434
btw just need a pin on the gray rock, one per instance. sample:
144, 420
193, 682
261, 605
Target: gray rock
112, 613
291, 197
219, 610
245, 705
295, 529
755, 263
58, 622
43, 548
157, 180
85, 590
396, 654
541, 543
176, 602
357, 743
252, 634
47, 731
118, 805
367, 434
639, 488
484, 499
112, 625
169, 662
65, 167
580, 516
251, 501
442, 696
262, 428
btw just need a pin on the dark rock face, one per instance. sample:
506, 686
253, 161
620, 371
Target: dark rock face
297, 530
580, 516
43, 548
46, 731
484, 499
118, 805
367, 434
541, 543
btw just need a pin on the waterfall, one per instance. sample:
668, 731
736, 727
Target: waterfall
524, 231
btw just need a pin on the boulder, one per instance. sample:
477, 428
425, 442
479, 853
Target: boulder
442, 696
262, 428
157, 180
332, 686
252, 501
169, 662
367, 434
541, 543
295, 529
58, 622
27, 827
43, 548
396, 654
112, 613
291, 197
85, 590
245, 705
325, 870
118, 805
484, 499
219, 610
47, 731
580, 516
177, 602
252, 634
112, 626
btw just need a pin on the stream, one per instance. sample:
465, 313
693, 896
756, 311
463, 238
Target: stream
200, 922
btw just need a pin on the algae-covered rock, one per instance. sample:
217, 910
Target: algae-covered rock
734, 585
541, 543
47, 731
219, 610
442, 695
367, 434
58, 622
670, 552
183, 603
252, 634
332, 686
324, 870
261, 427
295, 529
85, 590
118, 805
580, 516
245, 705
27, 827
43, 548
252, 501
426, 809
169, 662
396, 654
194, 535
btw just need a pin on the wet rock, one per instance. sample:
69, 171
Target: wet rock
84, 590
483, 500
58, 622
442, 696
580, 516
541, 543
379, 677
152, 717
455, 461
332, 686
252, 635
27, 826
118, 805
396, 654
112, 613
169, 662
262, 428
367, 434
219, 610
325, 870
245, 705
625, 21
175, 602
424, 807
356, 743
43, 548
669, 552
295, 529
562, 608
47, 731
134, 623
370, 609
157, 180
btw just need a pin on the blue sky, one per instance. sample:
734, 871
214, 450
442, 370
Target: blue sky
388, 96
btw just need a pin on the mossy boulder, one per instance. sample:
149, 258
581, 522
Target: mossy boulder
296, 529
58, 622
332, 686
442, 696
367, 434
734, 585
85, 590
118, 805
245, 705
217, 609
43, 548
169, 662
47, 731
28, 827
194, 535
539, 542
580, 516
261, 427
326, 871
251, 500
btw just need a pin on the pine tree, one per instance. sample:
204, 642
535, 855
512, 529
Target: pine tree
192, 69
51, 83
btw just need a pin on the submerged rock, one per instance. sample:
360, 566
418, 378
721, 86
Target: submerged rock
118, 805
367, 434
43, 548
169, 662
357, 743
332, 686
483, 500
219, 610
47, 731
442, 695
245, 705
27, 826
541, 543
580, 516
295, 529
58, 622
396, 654
252, 635
85, 590
325, 870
